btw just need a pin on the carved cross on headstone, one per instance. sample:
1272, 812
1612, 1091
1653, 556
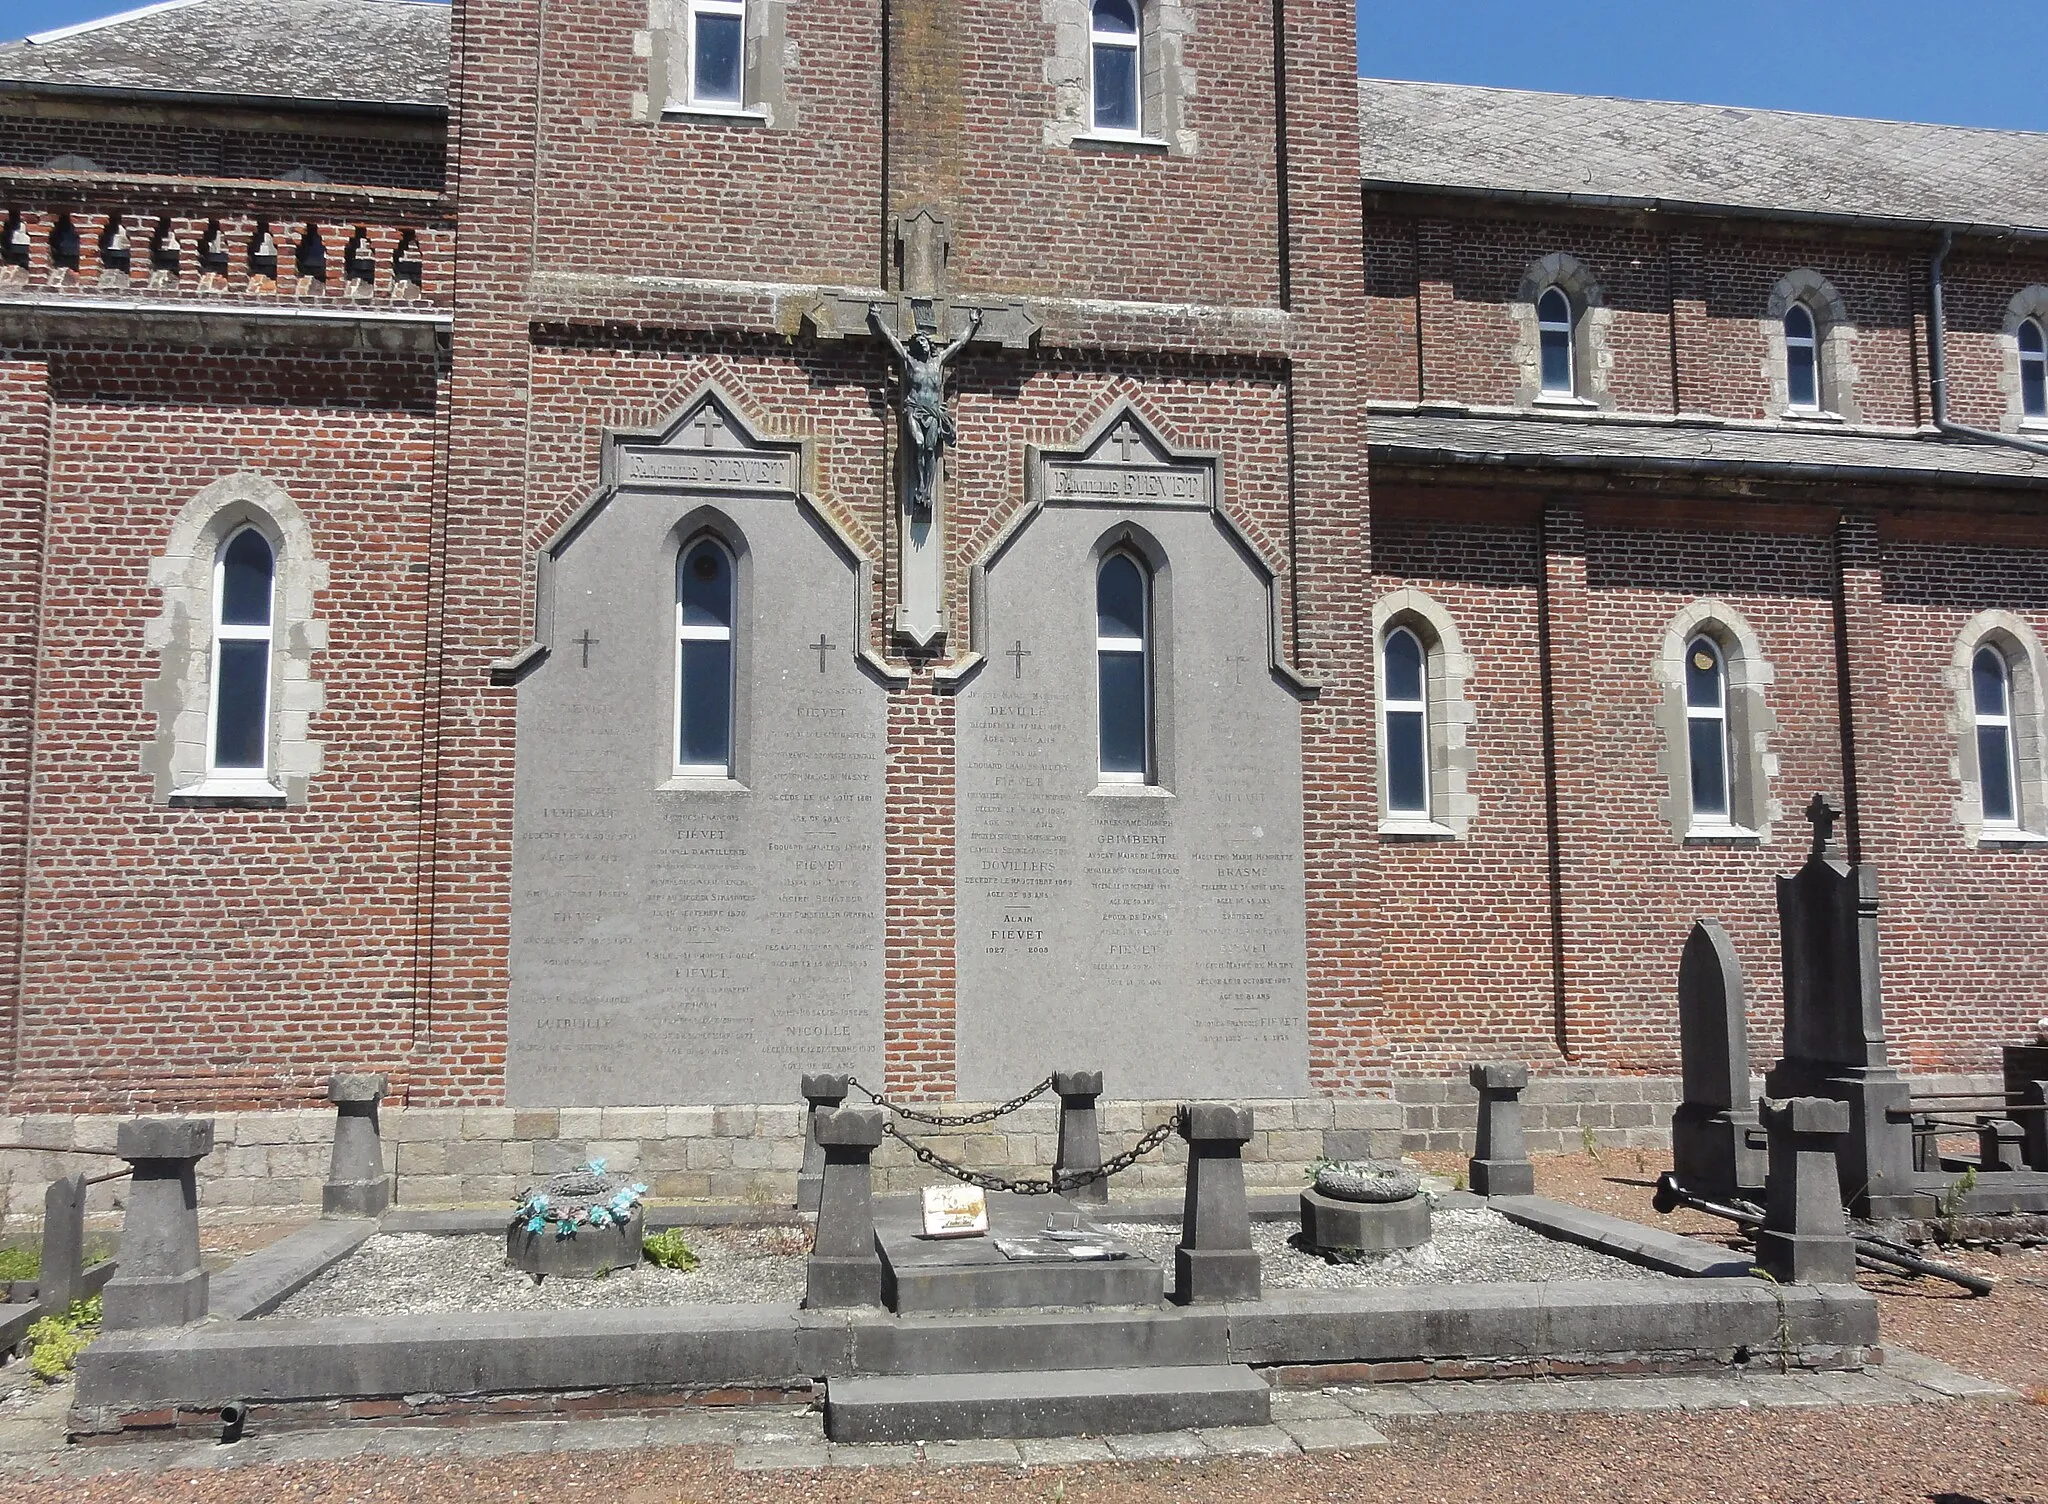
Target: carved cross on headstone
1125, 438
1823, 817
821, 647
1019, 653
586, 642
707, 425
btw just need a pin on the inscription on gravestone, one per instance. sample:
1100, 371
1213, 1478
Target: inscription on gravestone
695, 939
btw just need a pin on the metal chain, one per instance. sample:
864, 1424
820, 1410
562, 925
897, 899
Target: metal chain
988, 1115
1072, 1180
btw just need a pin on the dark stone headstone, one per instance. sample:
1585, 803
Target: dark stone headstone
1804, 1239
1834, 1022
845, 1267
1215, 1259
1080, 1132
63, 1259
2026, 1068
1500, 1160
356, 1183
821, 1093
160, 1281
1710, 1148
2034, 1124
2000, 1145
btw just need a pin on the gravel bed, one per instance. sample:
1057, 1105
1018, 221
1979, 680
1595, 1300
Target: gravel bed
405, 1273
1472, 1246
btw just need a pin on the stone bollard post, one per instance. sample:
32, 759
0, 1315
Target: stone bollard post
2000, 1145
159, 1281
1215, 1259
821, 1094
1926, 1145
1500, 1159
356, 1183
845, 1268
2034, 1124
1805, 1239
1080, 1134
58, 1281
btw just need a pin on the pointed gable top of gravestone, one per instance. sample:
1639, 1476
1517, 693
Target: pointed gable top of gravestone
1713, 1038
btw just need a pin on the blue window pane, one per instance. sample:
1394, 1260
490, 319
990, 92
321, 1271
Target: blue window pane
1994, 773
716, 72
1407, 784
1987, 682
2030, 338
245, 581
1702, 675
705, 587
1404, 666
1798, 322
1709, 770
1122, 717
1801, 376
241, 690
1119, 598
706, 735
1116, 17
2034, 387
1116, 87
1557, 360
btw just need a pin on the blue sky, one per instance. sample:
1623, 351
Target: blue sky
1972, 62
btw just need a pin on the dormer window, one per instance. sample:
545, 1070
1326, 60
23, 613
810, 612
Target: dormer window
2033, 370
1554, 333
1114, 71
1802, 360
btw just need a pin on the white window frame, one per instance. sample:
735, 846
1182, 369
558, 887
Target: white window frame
1811, 341
699, 632
1980, 721
1571, 355
228, 779
695, 98
2038, 359
1141, 645
1135, 45
1389, 705
1724, 822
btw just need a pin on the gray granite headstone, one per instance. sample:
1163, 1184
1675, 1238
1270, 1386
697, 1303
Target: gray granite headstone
691, 940
1158, 930
1710, 1132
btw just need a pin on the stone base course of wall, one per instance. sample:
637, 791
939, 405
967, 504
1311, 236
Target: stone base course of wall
471, 1156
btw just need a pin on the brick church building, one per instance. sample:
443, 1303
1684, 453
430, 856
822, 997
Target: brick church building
594, 556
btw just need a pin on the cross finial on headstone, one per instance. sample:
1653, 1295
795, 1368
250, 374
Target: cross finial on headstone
1019, 653
821, 647
1126, 435
1823, 815
586, 642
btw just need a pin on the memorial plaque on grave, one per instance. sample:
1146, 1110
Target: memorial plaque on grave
692, 939
1158, 930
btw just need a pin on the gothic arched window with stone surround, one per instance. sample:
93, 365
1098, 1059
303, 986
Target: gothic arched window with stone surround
238, 709
1115, 68
1404, 711
1716, 724
1706, 726
1426, 756
2033, 370
1991, 718
1123, 651
1802, 360
1554, 334
704, 660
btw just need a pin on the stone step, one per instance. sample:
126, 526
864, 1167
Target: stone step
1058, 1402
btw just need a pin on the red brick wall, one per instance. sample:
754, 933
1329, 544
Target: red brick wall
206, 152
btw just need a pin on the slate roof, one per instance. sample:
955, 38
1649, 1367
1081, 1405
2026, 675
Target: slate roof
1515, 142
1604, 444
380, 52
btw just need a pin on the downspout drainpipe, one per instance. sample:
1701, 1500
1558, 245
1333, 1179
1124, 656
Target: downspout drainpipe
1937, 365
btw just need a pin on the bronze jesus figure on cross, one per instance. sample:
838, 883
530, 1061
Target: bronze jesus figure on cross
927, 426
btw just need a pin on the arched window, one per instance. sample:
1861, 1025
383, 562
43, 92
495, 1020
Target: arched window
1405, 698
1802, 360
717, 53
704, 658
1554, 332
1997, 775
238, 713
1706, 718
1123, 631
2033, 370
1114, 72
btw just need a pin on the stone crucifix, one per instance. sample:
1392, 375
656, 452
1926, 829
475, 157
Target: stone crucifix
927, 426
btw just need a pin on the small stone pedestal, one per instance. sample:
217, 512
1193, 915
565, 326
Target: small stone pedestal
845, 1267
160, 1281
1215, 1260
2001, 1145
821, 1093
1373, 1226
1500, 1163
1804, 1239
1080, 1133
356, 1183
